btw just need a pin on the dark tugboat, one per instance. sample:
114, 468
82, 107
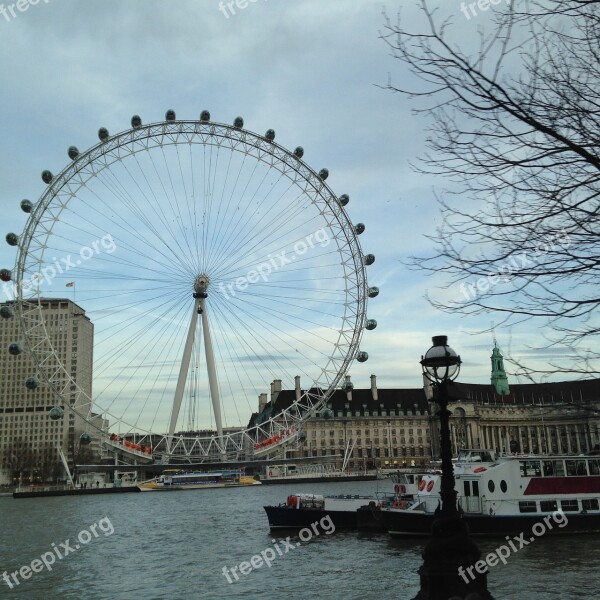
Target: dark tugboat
301, 510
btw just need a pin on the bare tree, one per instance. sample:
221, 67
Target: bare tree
516, 128
18, 458
45, 460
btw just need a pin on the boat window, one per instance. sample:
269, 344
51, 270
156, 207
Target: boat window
569, 505
527, 507
503, 486
576, 467
554, 468
548, 505
530, 468
475, 456
491, 486
589, 504
594, 466
471, 488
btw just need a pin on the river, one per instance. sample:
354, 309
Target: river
158, 546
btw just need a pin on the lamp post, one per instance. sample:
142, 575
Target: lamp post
450, 550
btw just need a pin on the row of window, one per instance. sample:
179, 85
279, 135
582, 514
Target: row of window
530, 506
559, 468
371, 453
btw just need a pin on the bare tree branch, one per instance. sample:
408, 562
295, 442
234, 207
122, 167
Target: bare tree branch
516, 128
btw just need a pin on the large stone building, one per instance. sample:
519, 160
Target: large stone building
549, 418
380, 428
28, 436
391, 428
545, 418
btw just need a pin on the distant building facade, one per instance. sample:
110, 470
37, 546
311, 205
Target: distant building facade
380, 428
393, 428
550, 418
28, 436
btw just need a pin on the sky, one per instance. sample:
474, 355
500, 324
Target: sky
314, 71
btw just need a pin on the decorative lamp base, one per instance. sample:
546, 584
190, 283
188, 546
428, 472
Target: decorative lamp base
448, 571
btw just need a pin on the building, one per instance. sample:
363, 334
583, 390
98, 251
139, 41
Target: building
550, 418
546, 418
378, 428
392, 428
28, 436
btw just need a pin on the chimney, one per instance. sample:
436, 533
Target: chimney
348, 387
262, 402
374, 387
298, 389
275, 389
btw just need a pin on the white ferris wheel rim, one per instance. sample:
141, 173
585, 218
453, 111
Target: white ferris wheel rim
113, 149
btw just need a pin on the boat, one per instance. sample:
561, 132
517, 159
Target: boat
301, 510
176, 479
312, 473
500, 496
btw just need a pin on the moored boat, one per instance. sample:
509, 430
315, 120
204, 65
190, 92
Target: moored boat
509, 495
312, 473
174, 479
300, 510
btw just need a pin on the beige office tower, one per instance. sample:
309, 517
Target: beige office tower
29, 436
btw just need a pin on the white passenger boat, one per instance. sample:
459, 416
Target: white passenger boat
500, 496
171, 480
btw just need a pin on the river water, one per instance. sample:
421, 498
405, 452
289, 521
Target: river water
174, 546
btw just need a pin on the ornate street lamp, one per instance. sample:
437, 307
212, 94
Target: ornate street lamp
441, 366
450, 548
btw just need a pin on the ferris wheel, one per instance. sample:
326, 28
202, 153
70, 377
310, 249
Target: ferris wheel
212, 262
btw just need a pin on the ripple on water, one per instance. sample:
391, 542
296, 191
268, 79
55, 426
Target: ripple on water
174, 546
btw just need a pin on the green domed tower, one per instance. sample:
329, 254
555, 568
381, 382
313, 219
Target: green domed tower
499, 379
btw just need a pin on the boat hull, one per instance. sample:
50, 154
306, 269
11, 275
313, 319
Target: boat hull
370, 518
415, 523
283, 517
150, 487
317, 479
